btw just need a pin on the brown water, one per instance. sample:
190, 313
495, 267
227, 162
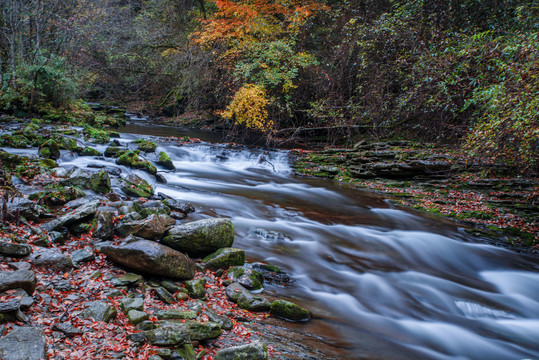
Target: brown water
382, 282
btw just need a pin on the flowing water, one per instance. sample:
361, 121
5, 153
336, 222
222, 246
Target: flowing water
382, 282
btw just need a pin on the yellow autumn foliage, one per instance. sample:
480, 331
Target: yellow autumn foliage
248, 107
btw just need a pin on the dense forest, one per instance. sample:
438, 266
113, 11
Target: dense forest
455, 71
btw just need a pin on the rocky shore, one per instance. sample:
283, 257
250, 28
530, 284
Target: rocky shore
88, 271
489, 202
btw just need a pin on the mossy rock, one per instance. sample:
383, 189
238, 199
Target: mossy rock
100, 182
131, 158
253, 303
176, 314
10, 160
97, 136
252, 351
114, 151
137, 187
58, 195
165, 161
88, 151
204, 330
225, 258
289, 311
146, 145
49, 150
251, 279
135, 317
14, 141
196, 288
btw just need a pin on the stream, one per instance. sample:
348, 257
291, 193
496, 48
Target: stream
382, 282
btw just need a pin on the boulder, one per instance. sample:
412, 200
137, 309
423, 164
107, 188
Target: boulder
20, 279
135, 317
136, 187
128, 304
82, 213
196, 288
225, 258
165, 161
253, 303
89, 151
151, 257
12, 249
83, 255
151, 228
234, 291
252, 351
99, 311
79, 178
249, 278
289, 311
51, 259
25, 208
105, 228
169, 334
176, 314
28, 343
128, 279
49, 150
203, 330
200, 237
179, 206
100, 182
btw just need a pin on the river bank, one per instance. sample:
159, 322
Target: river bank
445, 182
82, 273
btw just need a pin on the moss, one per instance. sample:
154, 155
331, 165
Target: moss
137, 187
97, 136
57, 195
289, 311
14, 141
114, 151
130, 158
146, 145
49, 150
100, 182
88, 151
165, 161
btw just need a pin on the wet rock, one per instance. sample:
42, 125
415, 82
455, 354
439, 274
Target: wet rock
234, 291
289, 311
68, 329
171, 286
181, 296
135, 317
25, 300
20, 265
249, 278
88, 151
11, 249
131, 159
83, 255
28, 343
79, 178
25, 208
253, 303
105, 228
169, 334
160, 178
114, 151
203, 330
179, 206
138, 337
252, 351
128, 304
175, 314
100, 182
164, 295
20, 279
200, 237
136, 187
151, 228
145, 325
99, 311
151, 257
49, 150
57, 195
62, 285
272, 274
154, 207
165, 161
51, 259
82, 213
57, 237
128, 279
196, 288
225, 258
224, 321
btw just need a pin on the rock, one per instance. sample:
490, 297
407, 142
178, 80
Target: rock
68, 329
186, 352
200, 237
160, 178
136, 187
289, 311
83, 255
179, 206
20, 279
105, 228
203, 330
131, 159
51, 259
153, 258
234, 291
225, 258
252, 351
175, 314
165, 161
135, 317
25, 300
224, 321
20, 265
49, 150
196, 288
181, 296
79, 178
114, 151
128, 304
57, 237
88, 151
253, 303
164, 295
146, 145
128, 279
11, 249
82, 213
169, 334
25, 208
249, 278
145, 325
99, 311
138, 337
171, 286
151, 228
100, 182
26, 343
